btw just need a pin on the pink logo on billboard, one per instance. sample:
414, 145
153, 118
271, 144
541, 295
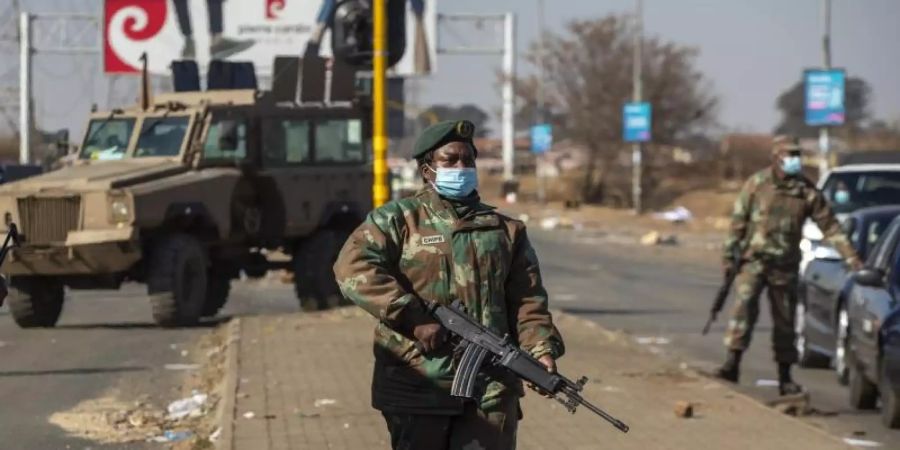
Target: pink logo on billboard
273, 8
133, 21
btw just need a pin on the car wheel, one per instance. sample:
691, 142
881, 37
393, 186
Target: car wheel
890, 400
35, 302
312, 261
863, 393
842, 332
177, 280
806, 356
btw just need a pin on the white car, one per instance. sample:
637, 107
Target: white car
868, 184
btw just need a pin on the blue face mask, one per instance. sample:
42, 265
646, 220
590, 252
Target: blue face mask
791, 165
455, 183
842, 197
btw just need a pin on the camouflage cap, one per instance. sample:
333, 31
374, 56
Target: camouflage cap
442, 133
784, 142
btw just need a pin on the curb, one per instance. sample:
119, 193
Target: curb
226, 412
693, 371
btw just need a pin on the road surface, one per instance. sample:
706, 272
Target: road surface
106, 340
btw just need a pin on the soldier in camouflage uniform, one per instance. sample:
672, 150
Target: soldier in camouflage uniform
765, 232
443, 244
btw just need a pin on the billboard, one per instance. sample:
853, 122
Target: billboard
541, 138
824, 97
241, 30
636, 122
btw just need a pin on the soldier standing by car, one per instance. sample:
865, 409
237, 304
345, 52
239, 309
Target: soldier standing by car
441, 245
765, 232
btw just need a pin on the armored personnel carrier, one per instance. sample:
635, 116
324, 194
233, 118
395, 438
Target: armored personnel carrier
184, 191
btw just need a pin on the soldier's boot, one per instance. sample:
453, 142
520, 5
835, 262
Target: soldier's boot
786, 384
730, 371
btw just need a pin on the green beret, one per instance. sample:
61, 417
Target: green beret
443, 133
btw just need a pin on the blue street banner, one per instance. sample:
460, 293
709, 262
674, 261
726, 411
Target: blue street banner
824, 97
636, 121
541, 138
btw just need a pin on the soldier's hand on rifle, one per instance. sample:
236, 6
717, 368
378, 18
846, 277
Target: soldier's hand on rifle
855, 264
550, 364
430, 335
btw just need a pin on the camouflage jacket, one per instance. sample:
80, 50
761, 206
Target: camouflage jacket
768, 219
418, 248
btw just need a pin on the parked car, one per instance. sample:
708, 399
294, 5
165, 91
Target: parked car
873, 340
821, 320
867, 184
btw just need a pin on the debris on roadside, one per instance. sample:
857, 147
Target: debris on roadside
861, 443
187, 407
324, 402
652, 340
215, 435
679, 214
655, 238
764, 382
684, 409
249, 415
172, 436
524, 218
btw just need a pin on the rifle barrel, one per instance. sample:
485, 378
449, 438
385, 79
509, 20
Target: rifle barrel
615, 422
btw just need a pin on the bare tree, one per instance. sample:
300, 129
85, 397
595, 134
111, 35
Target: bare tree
588, 80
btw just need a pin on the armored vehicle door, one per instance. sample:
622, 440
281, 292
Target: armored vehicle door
287, 163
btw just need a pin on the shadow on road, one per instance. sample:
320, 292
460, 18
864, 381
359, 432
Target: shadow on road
618, 312
77, 371
207, 323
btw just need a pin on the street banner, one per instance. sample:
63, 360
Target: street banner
636, 122
241, 30
541, 138
824, 97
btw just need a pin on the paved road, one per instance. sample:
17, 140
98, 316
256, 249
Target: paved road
105, 340
658, 291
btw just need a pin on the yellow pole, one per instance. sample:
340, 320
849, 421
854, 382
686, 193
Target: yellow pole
380, 191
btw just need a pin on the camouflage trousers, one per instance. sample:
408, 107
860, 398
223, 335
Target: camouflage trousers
781, 286
475, 429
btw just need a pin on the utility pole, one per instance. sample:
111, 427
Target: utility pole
509, 74
540, 116
25, 114
637, 95
380, 191
508, 52
824, 144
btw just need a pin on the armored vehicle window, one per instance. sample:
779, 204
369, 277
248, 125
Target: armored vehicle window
161, 136
339, 141
226, 139
107, 139
285, 141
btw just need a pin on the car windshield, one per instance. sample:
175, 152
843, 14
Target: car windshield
161, 136
107, 138
864, 189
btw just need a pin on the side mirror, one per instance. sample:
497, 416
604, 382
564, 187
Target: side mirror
869, 277
228, 136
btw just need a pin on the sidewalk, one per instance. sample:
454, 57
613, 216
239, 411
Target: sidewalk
302, 382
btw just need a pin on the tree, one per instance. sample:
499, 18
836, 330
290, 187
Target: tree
588, 80
791, 105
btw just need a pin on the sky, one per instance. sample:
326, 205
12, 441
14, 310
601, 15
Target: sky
750, 50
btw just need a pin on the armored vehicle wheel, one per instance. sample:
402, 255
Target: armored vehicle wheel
312, 262
177, 280
218, 286
35, 301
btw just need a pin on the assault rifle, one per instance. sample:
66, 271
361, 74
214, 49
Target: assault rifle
722, 295
482, 346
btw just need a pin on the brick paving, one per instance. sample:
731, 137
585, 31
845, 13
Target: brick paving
303, 379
